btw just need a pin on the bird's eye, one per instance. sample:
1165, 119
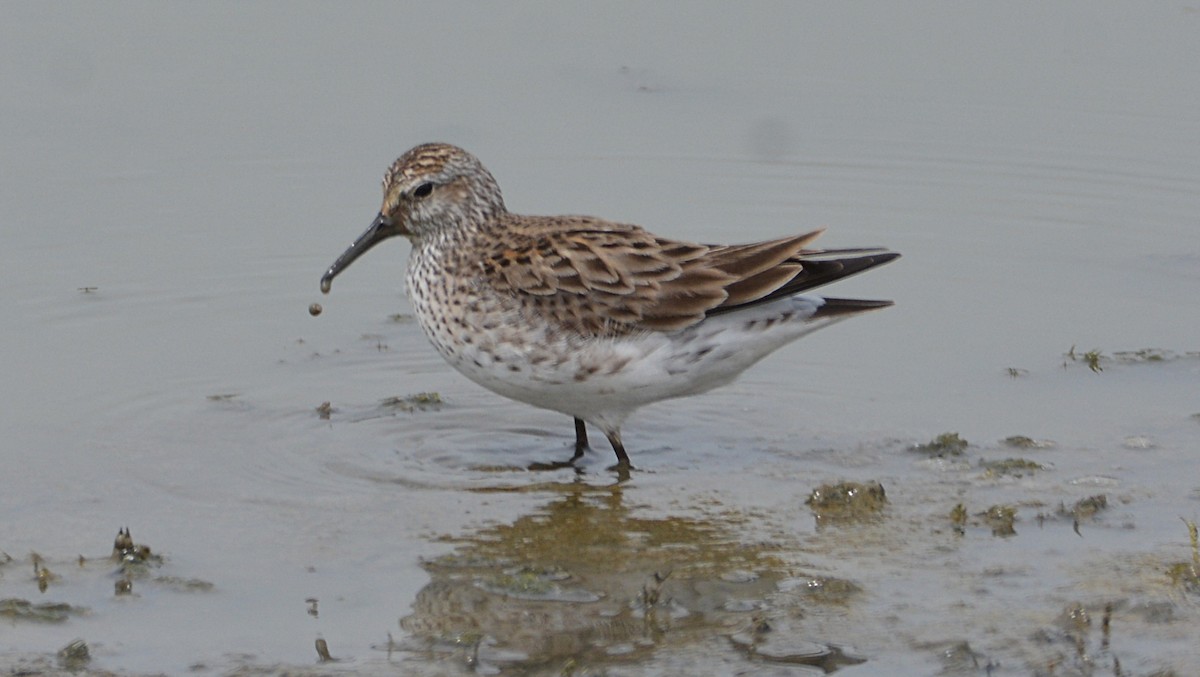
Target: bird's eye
423, 190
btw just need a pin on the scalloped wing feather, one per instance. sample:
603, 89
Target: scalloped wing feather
599, 277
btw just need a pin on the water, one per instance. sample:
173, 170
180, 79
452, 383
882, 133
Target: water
177, 178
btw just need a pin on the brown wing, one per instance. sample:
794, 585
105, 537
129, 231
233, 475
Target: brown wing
603, 278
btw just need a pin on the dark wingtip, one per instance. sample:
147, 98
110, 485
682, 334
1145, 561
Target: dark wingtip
835, 307
822, 267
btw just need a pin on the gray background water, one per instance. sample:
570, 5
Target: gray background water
199, 165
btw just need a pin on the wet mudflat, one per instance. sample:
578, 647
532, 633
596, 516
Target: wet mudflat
996, 476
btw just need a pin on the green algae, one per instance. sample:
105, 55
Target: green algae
946, 444
1010, 467
845, 502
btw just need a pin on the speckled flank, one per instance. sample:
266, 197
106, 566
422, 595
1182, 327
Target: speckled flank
586, 316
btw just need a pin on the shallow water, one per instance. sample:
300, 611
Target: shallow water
177, 178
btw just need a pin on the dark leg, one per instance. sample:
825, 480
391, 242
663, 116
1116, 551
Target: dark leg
581, 442
581, 445
614, 438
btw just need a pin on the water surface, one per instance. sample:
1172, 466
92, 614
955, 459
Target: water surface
177, 178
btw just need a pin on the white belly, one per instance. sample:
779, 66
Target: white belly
604, 380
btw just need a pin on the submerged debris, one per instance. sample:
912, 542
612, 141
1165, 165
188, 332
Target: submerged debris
946, 444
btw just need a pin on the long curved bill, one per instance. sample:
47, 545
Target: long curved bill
379, 230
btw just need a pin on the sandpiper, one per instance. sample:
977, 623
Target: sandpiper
585, 316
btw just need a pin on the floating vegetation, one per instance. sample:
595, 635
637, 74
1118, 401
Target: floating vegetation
43, 575
1010, 467
1091, 358
1086, 507
125, 550
1143, 355
323, 655
417, 402
1015, 372
946, 444
136, 560
1094, 358
958, 518
325, 410
1023, 442
1001, 519
1187, 574
1138, 442
1153, 355
1073, 652
46, 612
184, 584
400, 317
847, 501
75, 655
1083, 509
222, 397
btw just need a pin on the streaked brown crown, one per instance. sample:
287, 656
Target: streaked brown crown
437, 186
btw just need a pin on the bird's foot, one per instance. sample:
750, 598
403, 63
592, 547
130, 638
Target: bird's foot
538, 466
